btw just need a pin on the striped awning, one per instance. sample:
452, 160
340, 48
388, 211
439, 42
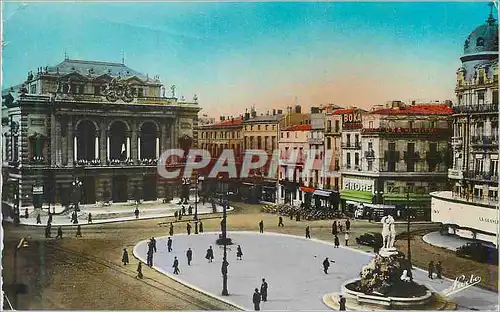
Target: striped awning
322, 193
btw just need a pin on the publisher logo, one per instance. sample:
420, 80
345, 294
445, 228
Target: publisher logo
462, 282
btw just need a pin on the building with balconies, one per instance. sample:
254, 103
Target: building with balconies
403, 155
470, 210
333, 122
99, 122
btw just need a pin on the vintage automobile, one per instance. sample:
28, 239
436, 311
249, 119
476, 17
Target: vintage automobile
371, 239
478, 252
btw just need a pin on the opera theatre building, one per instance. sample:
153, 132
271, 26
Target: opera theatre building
470, 210
90, 129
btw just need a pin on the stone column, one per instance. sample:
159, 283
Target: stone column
103, 141
96, 147
58, 143
164, 138
157, 145
53, 138
69, 140
128, 146
75, 147
135, 144
108, 147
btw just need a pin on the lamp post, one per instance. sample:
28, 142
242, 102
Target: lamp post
408, 226
23, 243
77, 184
224, 238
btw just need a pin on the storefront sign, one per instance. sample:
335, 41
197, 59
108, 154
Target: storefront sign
37, 189
358, 186
351, 118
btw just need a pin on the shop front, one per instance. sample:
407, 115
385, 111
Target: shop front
417, 205
352, 200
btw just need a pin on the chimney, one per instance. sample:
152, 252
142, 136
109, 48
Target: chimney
254, 114
413, 102
274, 112
298, 109
247, 116
280, 112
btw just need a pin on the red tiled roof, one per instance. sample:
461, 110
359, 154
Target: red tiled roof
420, 109
342, 111
227, 123
298, 128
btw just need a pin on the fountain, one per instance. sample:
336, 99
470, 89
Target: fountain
386, 283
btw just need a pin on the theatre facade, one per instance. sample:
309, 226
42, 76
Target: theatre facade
92, 130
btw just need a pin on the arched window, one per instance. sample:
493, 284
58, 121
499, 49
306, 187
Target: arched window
480, 42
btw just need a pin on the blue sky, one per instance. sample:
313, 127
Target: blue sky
234, 55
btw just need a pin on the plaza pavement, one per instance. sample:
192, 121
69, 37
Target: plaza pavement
291, 265
119, 213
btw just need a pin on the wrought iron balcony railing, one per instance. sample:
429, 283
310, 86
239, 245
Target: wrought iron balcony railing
477, 108
484, 140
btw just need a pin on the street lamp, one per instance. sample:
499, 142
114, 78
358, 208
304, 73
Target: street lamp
76, 189
408, 225
23, 243
225, 241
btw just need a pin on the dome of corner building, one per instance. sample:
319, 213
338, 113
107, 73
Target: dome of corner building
483, 39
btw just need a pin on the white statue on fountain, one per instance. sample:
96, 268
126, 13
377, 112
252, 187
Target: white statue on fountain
389, 236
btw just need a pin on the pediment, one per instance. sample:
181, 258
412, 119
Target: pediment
134, 80
74, 77
103, 78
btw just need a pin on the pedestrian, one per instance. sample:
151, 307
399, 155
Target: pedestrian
176, 214
291, 214
139, 270
297, 216
78, 231
125, 257
153, 244
89, 220
183, 210
280, 221
210, 254
169, 244
261, 226
50, 218
189, 255
180, 215
340, 227
136, 212
308, 232
438, 269
239, 253
326, 265
150, 258
171, 230
341, 303
176, 266
336, 241
190, 210
347, 225
263, 290
334, 228
38, 219
346, 237
256, 300
188, 228
430, 269
225, 264
47, 231
59, 232
26, 214
201, 227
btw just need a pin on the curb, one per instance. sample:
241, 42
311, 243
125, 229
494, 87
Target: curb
170, 275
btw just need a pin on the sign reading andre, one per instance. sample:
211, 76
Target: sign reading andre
462, 282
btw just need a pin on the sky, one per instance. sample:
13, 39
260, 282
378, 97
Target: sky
267, 54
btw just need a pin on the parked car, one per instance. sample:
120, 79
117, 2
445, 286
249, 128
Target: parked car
478, 252
371, 239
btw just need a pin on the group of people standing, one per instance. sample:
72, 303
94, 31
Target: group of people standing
338, 228
260, 296
437, 269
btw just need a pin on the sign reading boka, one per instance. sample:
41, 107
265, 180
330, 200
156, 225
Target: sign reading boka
462, 282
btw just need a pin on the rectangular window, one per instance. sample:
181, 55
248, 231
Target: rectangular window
370, 145
348, 143
480, 97
81, 89
495, 97
410, 160
267, 127
356, 159
282, 135
494, 167
329, 143
348, 160
258, 127
370, 124
337, 165
356, 140
370, 165
97, 90
478, 169
140, 92
33, 89
287, 134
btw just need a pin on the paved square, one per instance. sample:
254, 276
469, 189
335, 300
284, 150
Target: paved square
291, 265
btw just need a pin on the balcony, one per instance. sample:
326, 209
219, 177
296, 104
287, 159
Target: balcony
411, 156
407, 131
315, 141
455, 174
484, 140
370, 154
391, 156
481, 176
355, 145
456, 141
478, 108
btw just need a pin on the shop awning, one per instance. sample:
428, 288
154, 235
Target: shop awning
322, 193
307, 189
357, 196
379, 206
